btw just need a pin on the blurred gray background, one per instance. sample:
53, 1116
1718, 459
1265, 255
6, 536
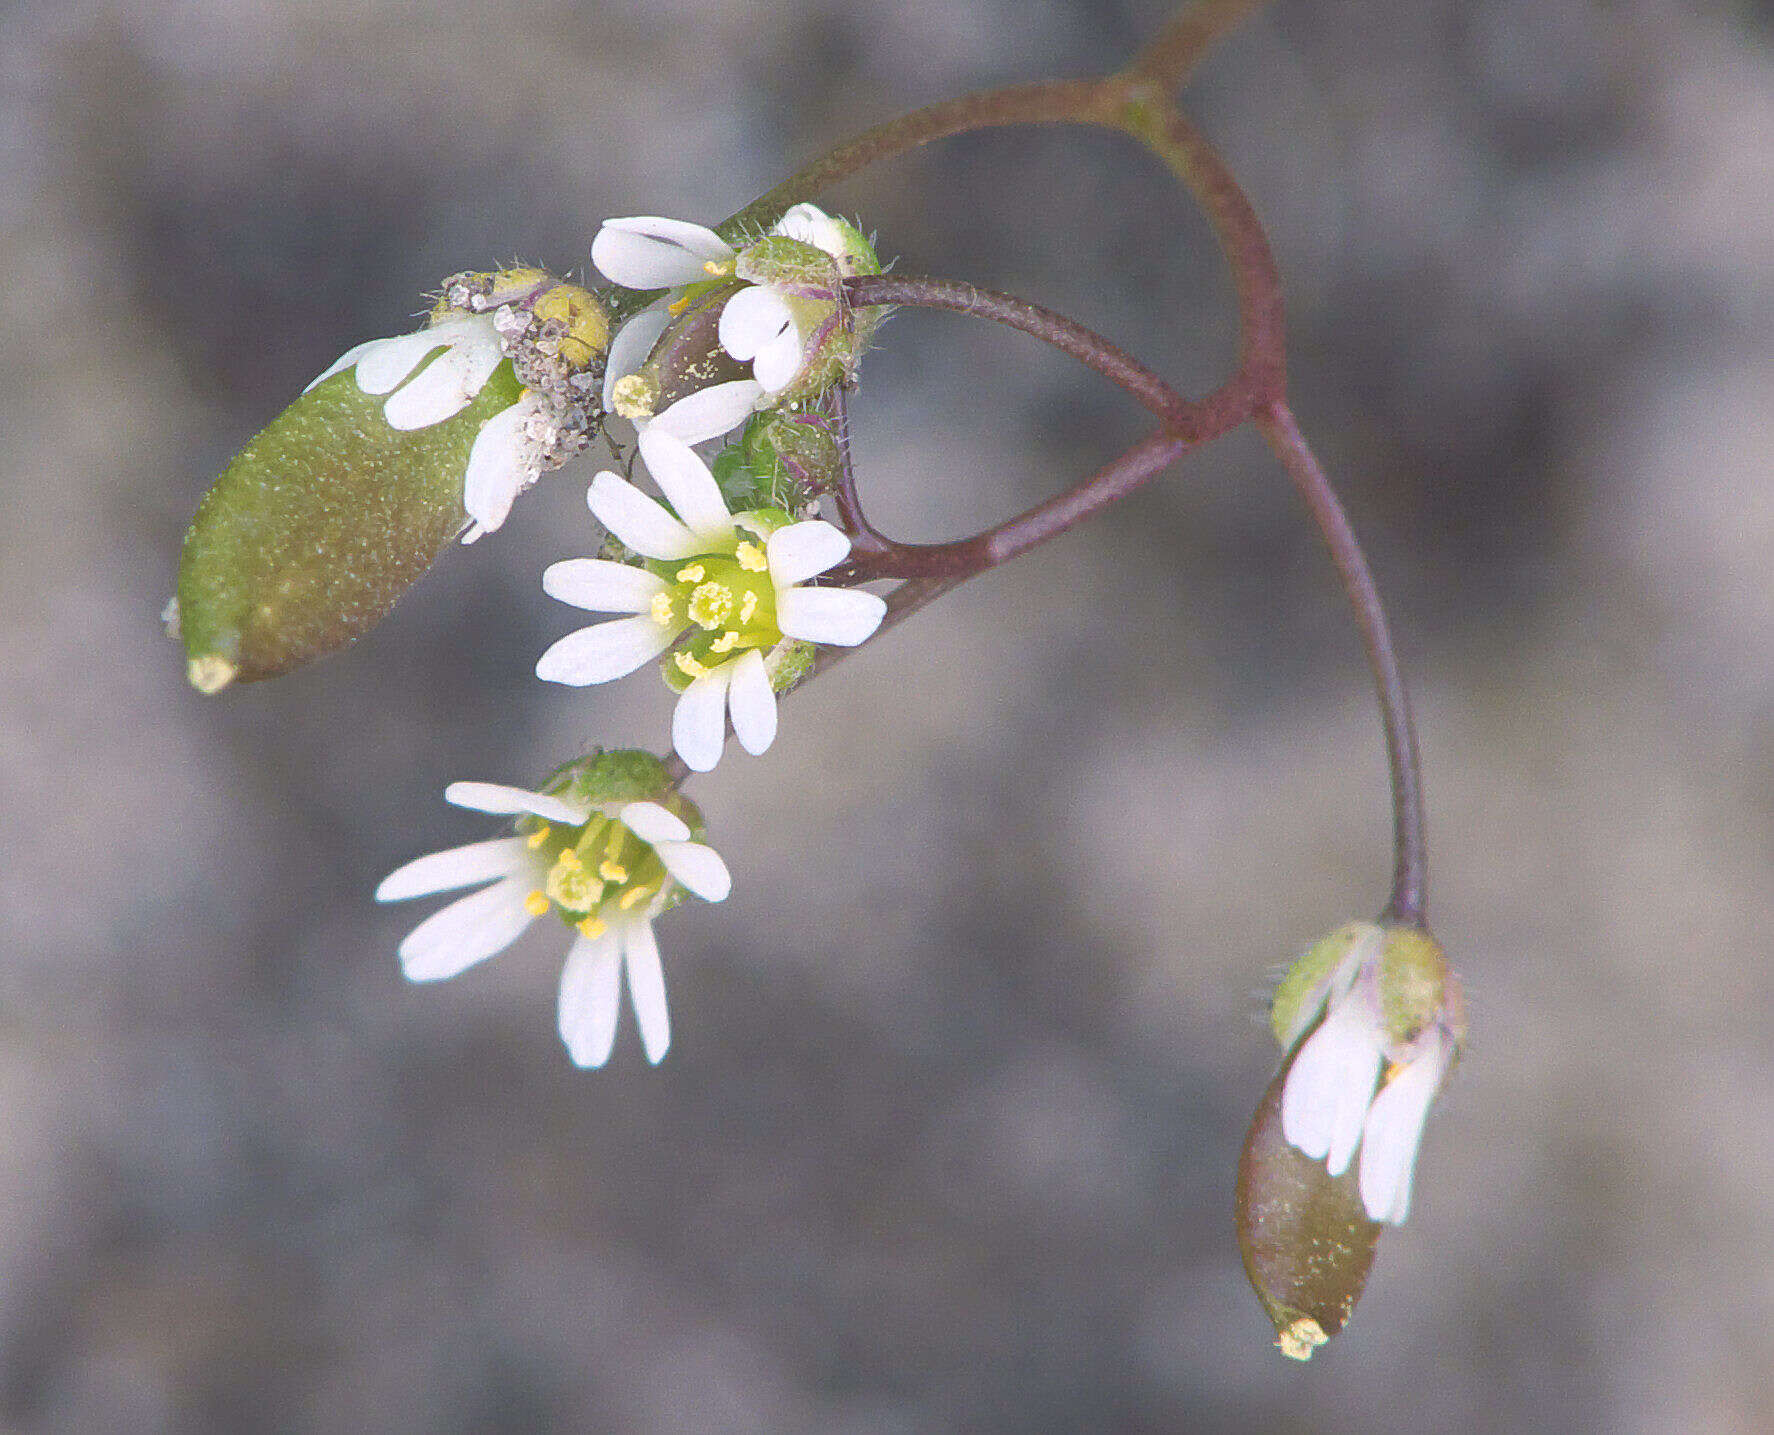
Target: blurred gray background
946, 1139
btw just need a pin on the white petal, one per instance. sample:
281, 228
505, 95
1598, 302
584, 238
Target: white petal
812, 225
697, 867
467, 931
647, 252
709, 413
652, 823
344, 361
591, 998
637, 520
686, 482
630, 347
455, 867
752, 704
646, 986
800, 551
385, 363
497, 797
1331, 1085
604, 651
600, 586
699, 723
444, 387
1393, 1131
844, 616
751, 319
779, 361
498, 467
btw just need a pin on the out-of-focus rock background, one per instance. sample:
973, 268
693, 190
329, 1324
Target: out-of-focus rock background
947, 1137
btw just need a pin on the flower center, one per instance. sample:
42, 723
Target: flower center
728, 601
594, 874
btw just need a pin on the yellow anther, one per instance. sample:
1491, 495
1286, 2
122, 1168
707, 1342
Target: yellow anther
692, 573
536, 903
568, 859
747, 606
688, 666
591, 927
724, 644
538, 837
751, 558
718, 268
677, 306
636, 895
612, 871
661, 610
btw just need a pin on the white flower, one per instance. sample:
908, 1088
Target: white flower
484, 320
735, 583
758, 324
1365, 1078
608, 869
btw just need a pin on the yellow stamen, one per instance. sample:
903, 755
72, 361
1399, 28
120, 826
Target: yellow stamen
747, 606
591, 927
536, 903
751, 558
724, 643
538, 837
635, 895
688, 666
661, 611
612, 871
677, 306
692, 573
569, 859
718, 267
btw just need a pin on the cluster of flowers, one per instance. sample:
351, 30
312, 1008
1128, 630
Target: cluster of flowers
723, 595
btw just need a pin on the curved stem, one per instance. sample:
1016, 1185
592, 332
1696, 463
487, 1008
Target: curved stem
1410, 854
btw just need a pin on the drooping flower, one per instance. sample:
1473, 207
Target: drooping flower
784, 320
733, 586
1365, 1075
602, 860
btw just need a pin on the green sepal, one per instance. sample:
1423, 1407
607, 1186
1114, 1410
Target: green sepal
1301, 992
319, 524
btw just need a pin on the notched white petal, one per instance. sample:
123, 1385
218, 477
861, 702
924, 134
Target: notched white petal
652, 823
634, 341
591, 998
469, 930
696, 867
454, 867
1329, 1089
709, 413
751, 319
637, 520
646, 987
752, 704
686, 482
799, 551
600, 586
604, 652
498, 798
497, 469
648, 252
840, 616
699, 722
1393, 1132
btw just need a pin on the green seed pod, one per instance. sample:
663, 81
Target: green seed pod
1306, 1239
323, 520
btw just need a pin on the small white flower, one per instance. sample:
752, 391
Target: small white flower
758, 325
607, 869
734, 583
485, 320
1364, 1079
